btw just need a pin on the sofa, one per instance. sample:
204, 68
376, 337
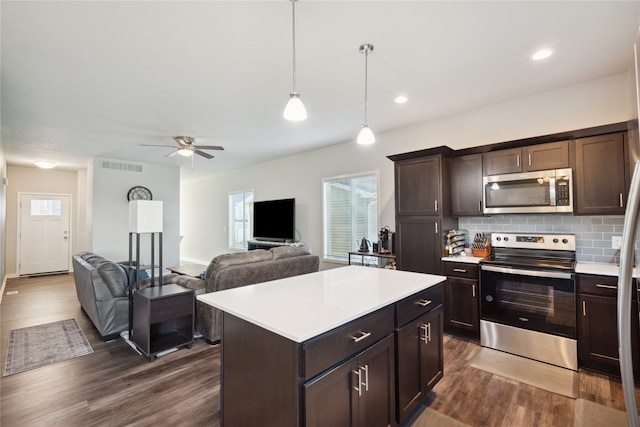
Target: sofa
102, 287
233, 270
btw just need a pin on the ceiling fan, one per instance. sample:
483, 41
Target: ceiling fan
186, 147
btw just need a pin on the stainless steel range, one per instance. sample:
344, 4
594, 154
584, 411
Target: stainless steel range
528, 298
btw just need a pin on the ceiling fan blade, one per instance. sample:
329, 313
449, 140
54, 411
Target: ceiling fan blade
203, 154
209, 147
154, 145
173, 153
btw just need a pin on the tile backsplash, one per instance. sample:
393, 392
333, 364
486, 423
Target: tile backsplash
593, 233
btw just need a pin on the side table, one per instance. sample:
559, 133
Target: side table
162, 318
363, 255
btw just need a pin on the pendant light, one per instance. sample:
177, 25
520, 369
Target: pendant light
294, 110
366, 135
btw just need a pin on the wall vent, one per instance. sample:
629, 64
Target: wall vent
129, 167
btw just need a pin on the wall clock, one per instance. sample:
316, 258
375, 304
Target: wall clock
139, 193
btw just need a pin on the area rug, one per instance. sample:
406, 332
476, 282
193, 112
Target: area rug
432, 418
591, 414
541, 375
40, 345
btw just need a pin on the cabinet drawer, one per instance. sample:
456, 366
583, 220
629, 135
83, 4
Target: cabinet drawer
598, 285
418, 304
322, 352
169, 308
460, 269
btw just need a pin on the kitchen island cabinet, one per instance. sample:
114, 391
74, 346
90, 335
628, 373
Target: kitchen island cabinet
318, 349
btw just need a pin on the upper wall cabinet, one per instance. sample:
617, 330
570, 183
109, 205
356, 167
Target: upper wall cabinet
552, 155
466, 185
418, 186
599, 176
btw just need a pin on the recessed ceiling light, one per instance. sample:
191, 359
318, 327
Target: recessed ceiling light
45, 164
401, 99
541, 54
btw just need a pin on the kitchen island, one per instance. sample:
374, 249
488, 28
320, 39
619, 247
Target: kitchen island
348, 346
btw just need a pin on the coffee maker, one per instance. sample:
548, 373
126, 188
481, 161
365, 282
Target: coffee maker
386, 241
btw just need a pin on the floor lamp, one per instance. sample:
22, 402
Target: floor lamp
145, 217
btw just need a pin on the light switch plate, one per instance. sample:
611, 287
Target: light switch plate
616, 242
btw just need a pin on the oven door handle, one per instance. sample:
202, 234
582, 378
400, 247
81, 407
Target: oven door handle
534, 273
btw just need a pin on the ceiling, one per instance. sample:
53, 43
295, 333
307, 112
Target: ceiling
99, 78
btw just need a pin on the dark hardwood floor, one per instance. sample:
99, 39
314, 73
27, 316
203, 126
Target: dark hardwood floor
115, 386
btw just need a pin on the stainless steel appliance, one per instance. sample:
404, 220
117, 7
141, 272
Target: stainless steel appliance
625, 288
548, 191
528, 298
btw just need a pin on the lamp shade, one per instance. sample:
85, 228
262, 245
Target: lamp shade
145, 216
365, 136
295, 110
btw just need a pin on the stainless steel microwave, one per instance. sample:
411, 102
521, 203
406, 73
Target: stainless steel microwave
548, 191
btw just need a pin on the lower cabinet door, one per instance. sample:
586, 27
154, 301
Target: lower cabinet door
420, 360
329, 397
359, 392
598, 334
461, 306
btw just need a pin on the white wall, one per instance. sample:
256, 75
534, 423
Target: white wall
36, 180
3, 214
204, 200
109, 208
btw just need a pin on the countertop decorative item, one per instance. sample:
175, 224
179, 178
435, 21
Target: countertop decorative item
139, 193
481, 246
455, 242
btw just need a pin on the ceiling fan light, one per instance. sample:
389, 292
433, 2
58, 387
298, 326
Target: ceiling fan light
185, 152
295, 110
366, 136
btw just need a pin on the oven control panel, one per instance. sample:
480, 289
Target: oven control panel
553, 241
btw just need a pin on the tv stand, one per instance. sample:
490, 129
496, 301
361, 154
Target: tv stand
263, 244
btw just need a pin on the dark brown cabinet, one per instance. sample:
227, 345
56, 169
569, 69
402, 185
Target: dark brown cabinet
461, 301
418, 244
423, 210
360, 390
597, 325
552, 155
599, 175
419, 350
162, 318
466, 185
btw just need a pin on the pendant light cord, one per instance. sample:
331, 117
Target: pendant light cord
366, 78
293, 20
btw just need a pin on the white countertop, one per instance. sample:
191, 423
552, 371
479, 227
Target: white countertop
469, 259
602, 269
302, 307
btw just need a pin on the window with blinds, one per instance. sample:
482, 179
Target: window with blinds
350, 213
240, 219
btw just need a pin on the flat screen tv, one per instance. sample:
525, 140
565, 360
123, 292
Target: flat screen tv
274, 220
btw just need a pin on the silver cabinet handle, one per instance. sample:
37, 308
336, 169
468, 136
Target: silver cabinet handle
359, 386
529, 159
362, 336
473, 287
436, 224
424, 302
435, 205
479, 205
366, 377
424, 337
600, 285
518, 161
621, 202
584, 308
459, 270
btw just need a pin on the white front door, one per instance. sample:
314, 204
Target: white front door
44, 233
